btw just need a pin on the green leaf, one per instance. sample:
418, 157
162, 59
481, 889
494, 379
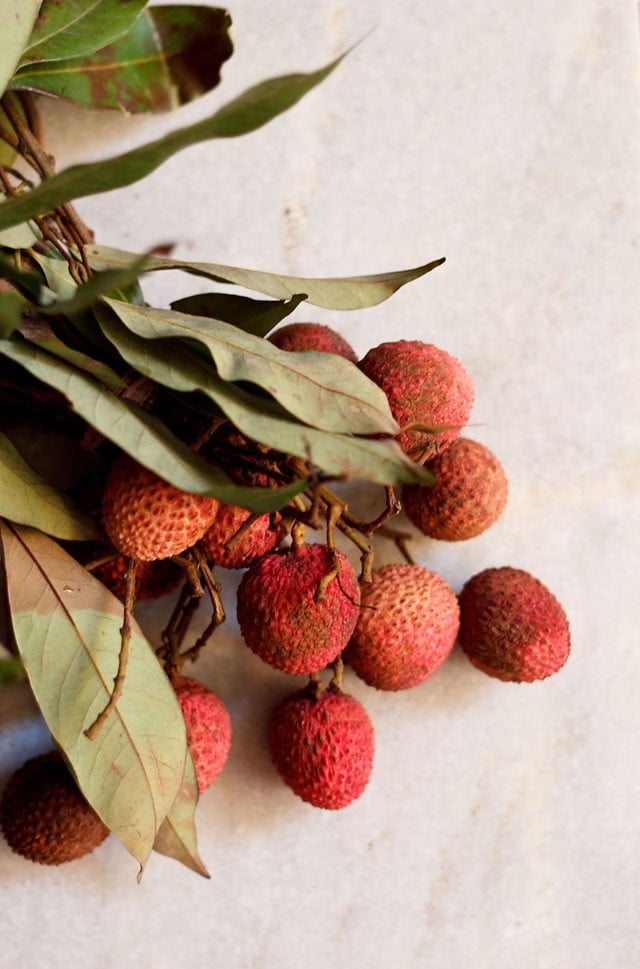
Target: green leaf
11, 670
67, 630
247, 112
321, 389
11, 306
348, 293
86, 296
170, 56
39, 332
26, 498
17, 18
177, 836
19, 236
77, 27
25, 279
258, 316
141, 435
345, 456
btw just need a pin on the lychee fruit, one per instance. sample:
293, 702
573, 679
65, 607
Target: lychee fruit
469, 494
233, 541
424, 385
297, 608
322, 746
406, 628
312, 336
153, 579
147, 518
208, 729
511, 626
43, 815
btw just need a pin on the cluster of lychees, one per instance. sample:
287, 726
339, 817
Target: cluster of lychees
302, 607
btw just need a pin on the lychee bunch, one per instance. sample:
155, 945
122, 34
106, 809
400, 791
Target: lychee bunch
147, 518
322, 746
43, 815
297, 608
406, 628
424, 385
312, 336
208, 729
468, 496
153, 579
233, 541
511, 626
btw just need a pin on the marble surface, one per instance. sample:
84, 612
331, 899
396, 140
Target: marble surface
499, 828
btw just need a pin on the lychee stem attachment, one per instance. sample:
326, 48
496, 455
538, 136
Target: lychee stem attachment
338, 673
123, 658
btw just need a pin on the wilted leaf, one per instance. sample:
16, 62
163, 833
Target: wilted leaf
342, 455
348, 293
321, 389
17, 18
257, 316
141, 435
177, 836
169, 56
77, 27
66, 625
247, 112
26, 498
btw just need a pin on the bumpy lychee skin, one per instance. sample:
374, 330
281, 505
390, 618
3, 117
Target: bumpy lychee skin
230, 542
408, 623
312, 336
153, 579
423, 385
147, 518
208, 729
290, 615
322, 747
43, 815
469, 494
512, 627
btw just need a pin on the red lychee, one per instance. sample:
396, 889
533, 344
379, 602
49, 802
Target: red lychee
234, 542
469, 494
208, 729
406, 628
294, 612
153, 579
43, 815
511, 626
424, 385
322, 746
146, 518
312, 336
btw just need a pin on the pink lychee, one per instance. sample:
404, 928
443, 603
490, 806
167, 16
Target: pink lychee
312, 336
424, 385
322, 746
153, 579
297, 608
511, 626
406, 628
234, 542
469, 494
208, 729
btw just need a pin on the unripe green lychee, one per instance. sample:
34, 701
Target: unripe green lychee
406, 628
312, 336
468, 496
231, 542
424, 385
208, 729
147, 518
43, 815
322, 746
511, 626
294, 611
